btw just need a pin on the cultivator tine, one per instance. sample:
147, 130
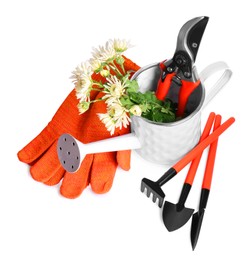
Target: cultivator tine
154, 197
143, 186
160, 202
153, 188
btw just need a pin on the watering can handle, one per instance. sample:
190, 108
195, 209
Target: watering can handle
220, 83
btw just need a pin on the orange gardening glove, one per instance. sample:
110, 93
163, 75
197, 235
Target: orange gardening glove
96, 169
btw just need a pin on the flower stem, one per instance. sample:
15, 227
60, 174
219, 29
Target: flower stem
97, 89
98, 84
122, 67
96, 100
115, 69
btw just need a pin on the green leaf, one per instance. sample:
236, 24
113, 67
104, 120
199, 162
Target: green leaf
137, 98
151, 98
160, 113
125, 78
147, 115
167, 107
132, 86
145, 107
119, 60
126, 102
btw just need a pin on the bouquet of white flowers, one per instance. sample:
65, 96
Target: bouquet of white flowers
121, 94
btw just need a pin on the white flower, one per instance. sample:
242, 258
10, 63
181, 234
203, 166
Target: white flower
83, 93
120, 45
119, 115
108, 121
115, 117
136, 110
123, 120
110, 100
81, 70
96, 64
104, 53
116, 110
83, 81
114, 88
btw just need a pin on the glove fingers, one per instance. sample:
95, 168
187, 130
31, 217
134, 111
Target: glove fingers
74, 183
47, 166
66, 120
56, 178
103, 172
37, 146
123, 159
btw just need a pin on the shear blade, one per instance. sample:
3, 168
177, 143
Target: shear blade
190, 36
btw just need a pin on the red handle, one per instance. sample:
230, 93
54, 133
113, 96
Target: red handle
201, 146
164, 86
185, 91
206, 184
195, 163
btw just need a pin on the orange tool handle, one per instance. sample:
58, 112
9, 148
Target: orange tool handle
163, 87
195, 163
201, 146
207, 180
185, 91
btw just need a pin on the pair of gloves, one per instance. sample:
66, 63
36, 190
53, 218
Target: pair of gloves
99, 169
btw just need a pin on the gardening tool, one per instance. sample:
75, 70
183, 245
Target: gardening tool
206, 185
155, 187
180, 70
176, 215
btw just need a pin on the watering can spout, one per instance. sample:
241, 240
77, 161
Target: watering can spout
71, 151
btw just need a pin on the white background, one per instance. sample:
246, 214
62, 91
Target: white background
41, 43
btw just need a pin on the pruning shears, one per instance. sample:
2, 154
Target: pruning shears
180, 70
